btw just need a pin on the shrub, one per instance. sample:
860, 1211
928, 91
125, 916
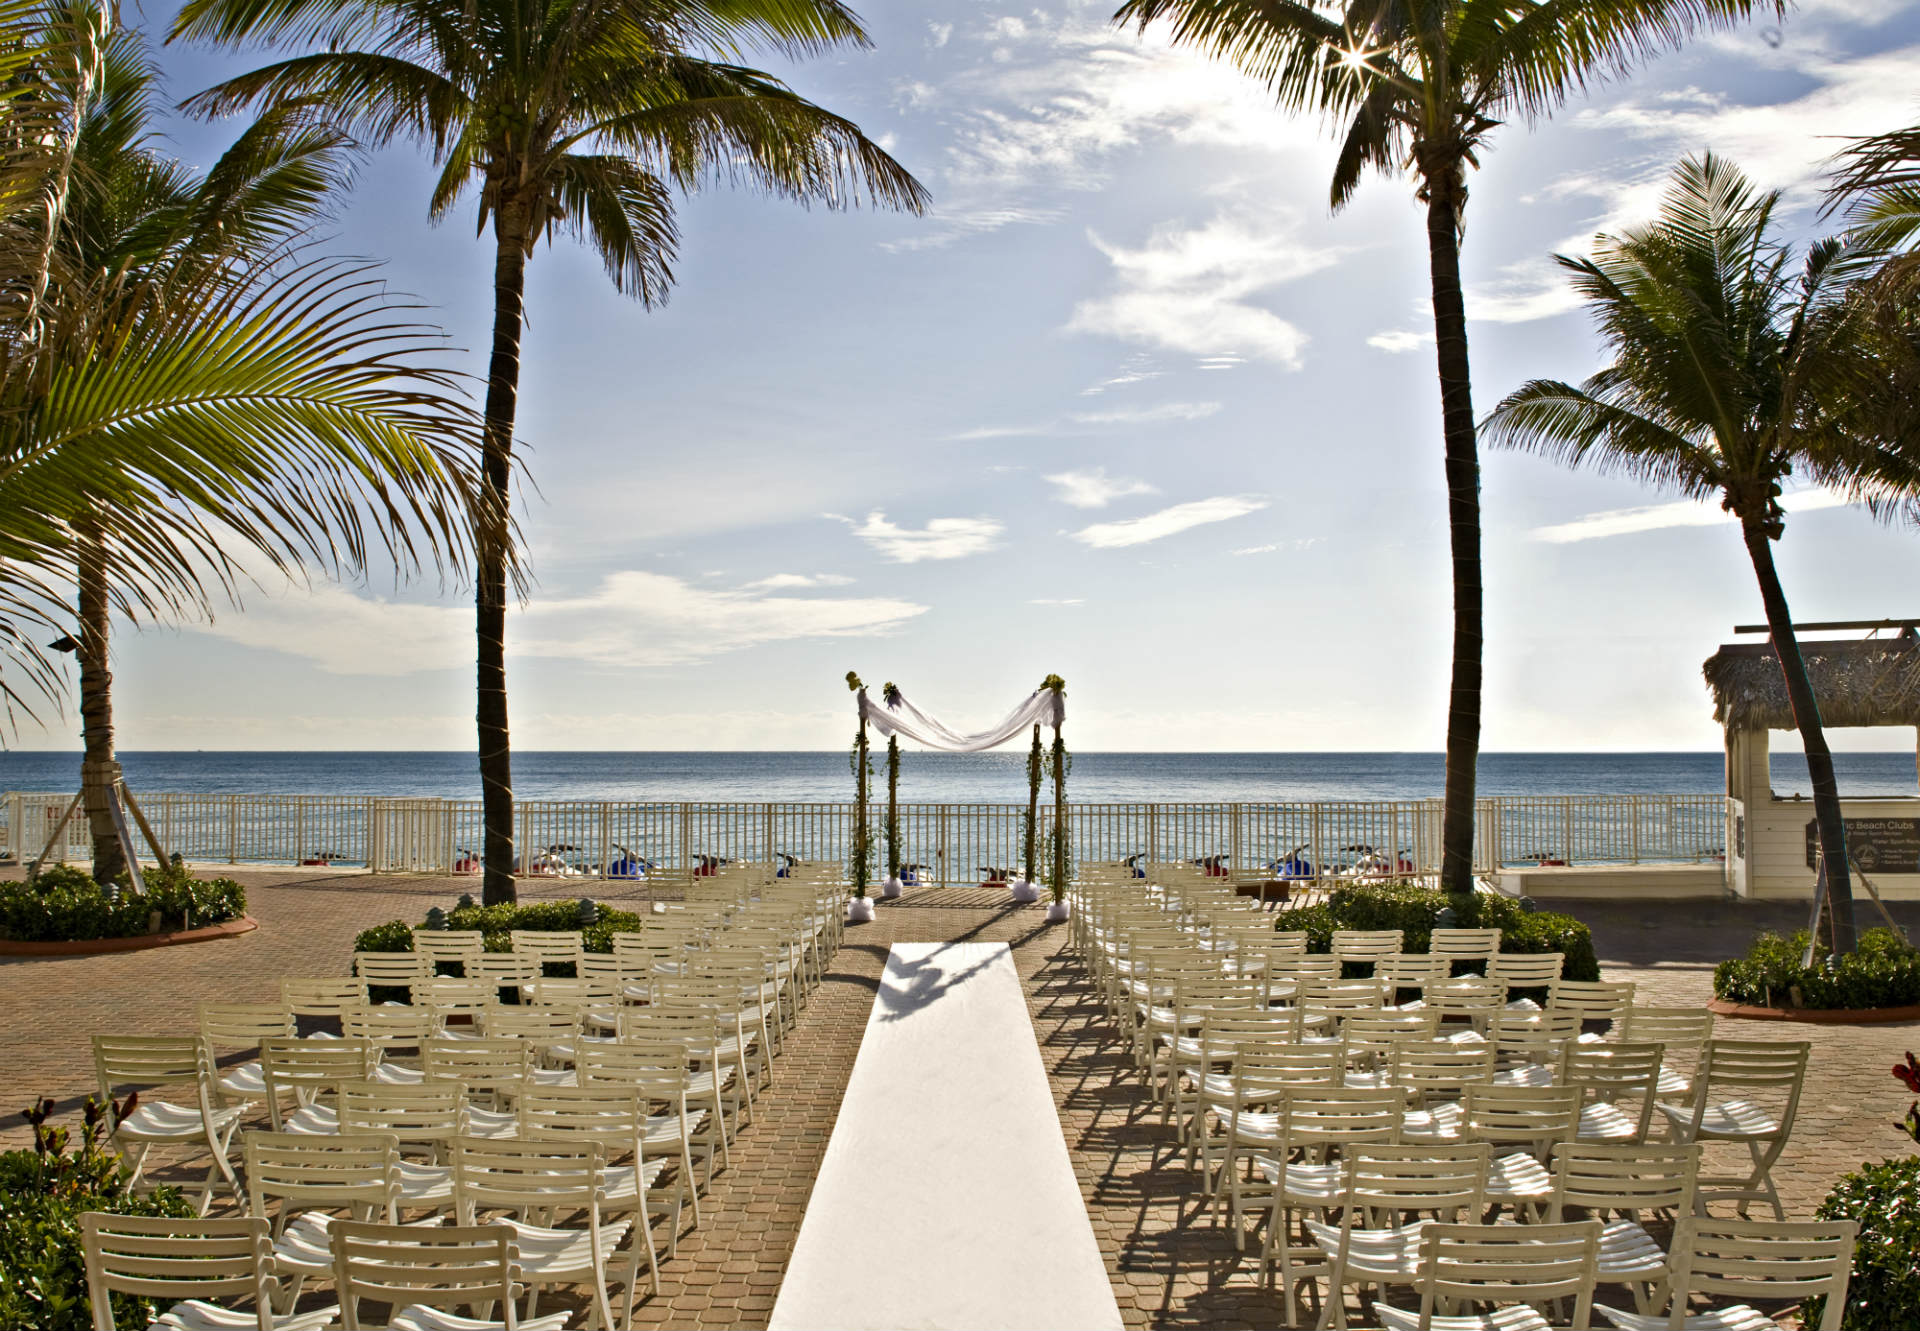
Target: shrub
1885, 1292
1884, 971
1413, 909
64, 904
43, 1193
495, 924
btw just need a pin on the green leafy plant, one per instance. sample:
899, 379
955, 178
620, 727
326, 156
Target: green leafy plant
1414, 909
496, 925
65, 904
43, 1193
1884, 1294
1882, 971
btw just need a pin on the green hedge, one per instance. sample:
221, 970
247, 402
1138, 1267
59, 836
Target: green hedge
495, 924
43, 1193
63, 904
1882, 972
1413, 909
1885, 1292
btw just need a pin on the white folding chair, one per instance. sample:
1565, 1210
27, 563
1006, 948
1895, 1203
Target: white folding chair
1512, 1269
1377, 1241
422, 1274
242, 1026
137, 1061
300, 1181
1767, 1077
191, 1260
1751, 1259
515, 1181
1616, 1184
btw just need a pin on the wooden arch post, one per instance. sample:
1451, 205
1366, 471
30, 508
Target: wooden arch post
1058, 686
861, 909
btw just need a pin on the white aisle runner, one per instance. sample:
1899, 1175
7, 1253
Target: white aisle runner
946, 1199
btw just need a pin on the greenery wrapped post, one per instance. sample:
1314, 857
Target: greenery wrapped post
1036, 764
1061, 762
859, 760
892, 697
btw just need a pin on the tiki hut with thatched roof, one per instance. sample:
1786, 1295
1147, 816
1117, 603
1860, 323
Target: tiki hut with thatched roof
1858, 682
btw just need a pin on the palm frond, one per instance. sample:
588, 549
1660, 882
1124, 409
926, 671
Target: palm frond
373, 97
1576, 426
1290, 47
626, 214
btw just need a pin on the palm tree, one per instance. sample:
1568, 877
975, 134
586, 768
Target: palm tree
1878, 182
132, 213
1732, 371
1420, 86
578, 115
190, 385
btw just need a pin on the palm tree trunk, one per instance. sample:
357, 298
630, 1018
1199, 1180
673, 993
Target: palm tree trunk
1445, 197
490, 583
1806, 717
99, 769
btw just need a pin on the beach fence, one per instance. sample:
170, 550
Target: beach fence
955, 843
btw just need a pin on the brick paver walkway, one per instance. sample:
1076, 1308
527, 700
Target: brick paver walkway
1168, 1268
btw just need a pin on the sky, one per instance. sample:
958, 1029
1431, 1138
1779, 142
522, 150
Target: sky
1129, 404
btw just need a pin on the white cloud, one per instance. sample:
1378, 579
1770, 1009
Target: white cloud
1298, 543
938, 34
787, 581
632, 618
1780, 145
1400, 339
1056, 103
944, 226
1659, 517
1001, 432
942, 538
1058, 600
1084, 422
1093, 488
1137, 369
1168, 521
1188, 290
1165, 411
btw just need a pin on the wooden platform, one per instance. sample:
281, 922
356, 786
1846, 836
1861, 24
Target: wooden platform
1618, 882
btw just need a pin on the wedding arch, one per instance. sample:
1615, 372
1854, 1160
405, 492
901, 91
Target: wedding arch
895, 716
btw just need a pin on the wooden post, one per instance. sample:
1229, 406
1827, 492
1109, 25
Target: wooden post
1061, 831
59, 828
1035, 762
893, 806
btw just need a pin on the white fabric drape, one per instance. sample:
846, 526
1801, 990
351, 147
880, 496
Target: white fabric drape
908, 722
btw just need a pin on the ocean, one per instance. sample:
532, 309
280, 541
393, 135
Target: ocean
945, 778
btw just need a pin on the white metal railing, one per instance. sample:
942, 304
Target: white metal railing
954, 840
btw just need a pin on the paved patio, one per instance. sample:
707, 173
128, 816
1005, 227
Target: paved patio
1166, 1269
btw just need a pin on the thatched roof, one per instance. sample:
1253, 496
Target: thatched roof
1875, 682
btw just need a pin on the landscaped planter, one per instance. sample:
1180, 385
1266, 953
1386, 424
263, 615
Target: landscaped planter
1816, 1016
86, 947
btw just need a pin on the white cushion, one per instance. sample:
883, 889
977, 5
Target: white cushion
164, 1120
193, 1315
1739, 1317
1517, 1317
